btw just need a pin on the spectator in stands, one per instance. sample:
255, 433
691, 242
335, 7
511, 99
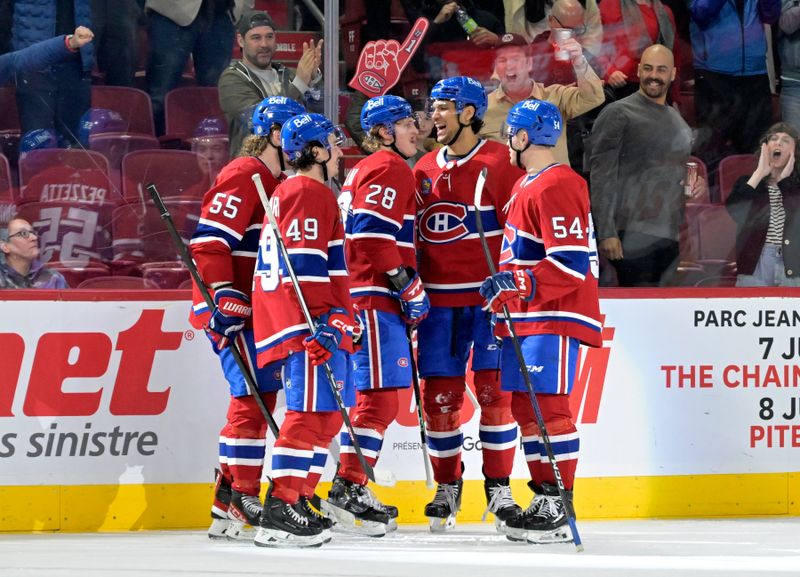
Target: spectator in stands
639, 148
22, 269
116, 23
513, 65
731, 90
210, 141
446, 28
766, 209
255, 77
530, 18
203, 29
43, 54
789, 49
57, 95
630, 26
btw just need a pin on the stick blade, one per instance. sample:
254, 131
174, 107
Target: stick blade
479, 187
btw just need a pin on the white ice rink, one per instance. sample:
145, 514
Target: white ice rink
705, 548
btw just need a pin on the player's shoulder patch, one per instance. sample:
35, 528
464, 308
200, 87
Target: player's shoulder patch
425, 186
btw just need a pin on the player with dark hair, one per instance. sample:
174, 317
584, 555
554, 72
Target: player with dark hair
388, 293
225, 246
548, 280
310, 226
447, 244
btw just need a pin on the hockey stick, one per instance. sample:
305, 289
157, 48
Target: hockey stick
262, 193
562, 492
418, 398
472, 398
190, 264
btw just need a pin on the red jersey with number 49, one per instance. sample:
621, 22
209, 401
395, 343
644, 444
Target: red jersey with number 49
379, 227
311, 228
225, 243
549, 230
451, 261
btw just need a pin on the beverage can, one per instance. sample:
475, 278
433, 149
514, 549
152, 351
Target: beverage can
559, 35
690, 179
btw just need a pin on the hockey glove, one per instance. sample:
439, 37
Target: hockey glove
503, 287
328, 334
230, 314
414, 302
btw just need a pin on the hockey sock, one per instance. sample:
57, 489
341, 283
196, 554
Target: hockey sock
324, 427
315, 472
442, 401
246, 442
373, 413
563, 437
497, 431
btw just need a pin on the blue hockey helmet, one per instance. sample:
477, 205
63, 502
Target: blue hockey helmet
100, 121
384, 111
274, 110
38, 139
462, 90
541, 120
305, 129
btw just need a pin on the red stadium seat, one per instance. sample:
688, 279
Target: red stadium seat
186, 106
717, 236
731, 168
116, 282
115, 145
132, 104
78, 233
79, 176
9, 116
75, 275
165, 275
176, 173
140, 235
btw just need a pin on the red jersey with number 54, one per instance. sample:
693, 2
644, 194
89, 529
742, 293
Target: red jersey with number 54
225, 243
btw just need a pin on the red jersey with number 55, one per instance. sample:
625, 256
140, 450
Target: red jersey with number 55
225, 243
549, 231
379, 227
451, 261
311, 228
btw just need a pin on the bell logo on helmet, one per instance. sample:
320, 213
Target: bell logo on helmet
301, 120
374, 103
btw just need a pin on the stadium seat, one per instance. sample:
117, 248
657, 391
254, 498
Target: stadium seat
55, 174
141, 236
133, 104
75, 275
9, 115
717, 281
186, 106
186, 285
116, 282
8, 208
731, 168
78, 233
176, 173
115, 145
717, 236
165, 275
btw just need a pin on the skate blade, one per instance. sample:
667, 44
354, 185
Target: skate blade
347, 522
218, 529
238, 531
560, 535
285, 540
442, 524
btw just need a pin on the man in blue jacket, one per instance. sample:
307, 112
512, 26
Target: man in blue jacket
43, 53
732, 94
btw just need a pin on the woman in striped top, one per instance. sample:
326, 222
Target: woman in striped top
765, 207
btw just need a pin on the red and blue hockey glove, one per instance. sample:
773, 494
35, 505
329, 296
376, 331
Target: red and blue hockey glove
503, 287
414, 302
230, 314
328, 334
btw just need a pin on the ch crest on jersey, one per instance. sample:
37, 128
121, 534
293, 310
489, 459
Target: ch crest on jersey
509, 238
444, 222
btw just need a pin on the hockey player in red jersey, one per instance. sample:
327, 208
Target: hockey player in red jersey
448, 243
224, 247
388, 294
548, 280
311, 228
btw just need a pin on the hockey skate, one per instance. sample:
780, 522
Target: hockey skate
219, 509
314, 514
500, 502
544, 521
285, 525
244, 514
441, 512
356, 509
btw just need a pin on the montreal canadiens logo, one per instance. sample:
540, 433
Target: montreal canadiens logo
443, 222
402, 362
509, 237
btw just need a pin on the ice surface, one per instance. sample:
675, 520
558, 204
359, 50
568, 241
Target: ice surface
650, 548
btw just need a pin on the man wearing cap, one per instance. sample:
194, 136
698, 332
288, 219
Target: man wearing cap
201, 28
513, 64
248, 81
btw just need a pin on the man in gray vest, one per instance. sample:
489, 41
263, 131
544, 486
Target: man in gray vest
253, 78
